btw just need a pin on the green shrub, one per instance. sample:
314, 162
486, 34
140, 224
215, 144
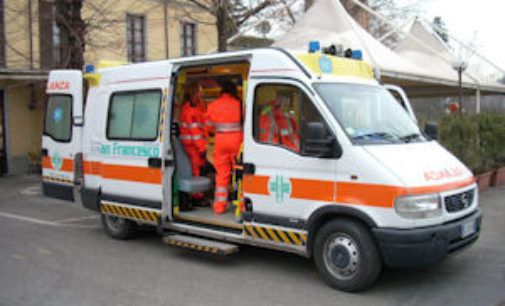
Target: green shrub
478, 141
458, 134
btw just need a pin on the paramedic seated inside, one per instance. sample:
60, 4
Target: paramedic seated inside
277, 125
224, 117
192, 130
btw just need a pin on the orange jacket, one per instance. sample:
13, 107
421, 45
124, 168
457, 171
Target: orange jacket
278, 127
224, 115
191, 122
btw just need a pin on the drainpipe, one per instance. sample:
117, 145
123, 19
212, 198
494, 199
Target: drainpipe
165, 19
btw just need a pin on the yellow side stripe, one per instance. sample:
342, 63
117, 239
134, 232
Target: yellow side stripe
130, 212
275, 235
294, 238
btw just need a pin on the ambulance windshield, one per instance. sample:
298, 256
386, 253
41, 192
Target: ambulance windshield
369, 114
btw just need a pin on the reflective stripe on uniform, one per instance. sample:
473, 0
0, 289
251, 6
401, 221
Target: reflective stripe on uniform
228, 127
221, 189
220, 198
291, 132
272, 127
194, 125
190, 137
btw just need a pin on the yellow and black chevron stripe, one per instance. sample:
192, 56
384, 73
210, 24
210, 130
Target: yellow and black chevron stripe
195, 247
55, 179
130, 212
162, 115
275, 234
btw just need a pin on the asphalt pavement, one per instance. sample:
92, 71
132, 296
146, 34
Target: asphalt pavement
56, 253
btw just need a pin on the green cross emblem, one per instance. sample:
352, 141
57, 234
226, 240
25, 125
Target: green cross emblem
57, 161
280, 187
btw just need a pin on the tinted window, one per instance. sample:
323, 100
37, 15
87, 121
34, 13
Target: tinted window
58, 124
134, 115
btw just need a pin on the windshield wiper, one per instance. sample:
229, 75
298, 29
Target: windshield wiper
408, 138
375, 135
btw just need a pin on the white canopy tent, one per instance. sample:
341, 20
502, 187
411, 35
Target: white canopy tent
423, 46
328, 22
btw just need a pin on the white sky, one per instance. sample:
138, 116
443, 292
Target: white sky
481, 21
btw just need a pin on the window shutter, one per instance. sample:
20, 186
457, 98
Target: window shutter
46, 34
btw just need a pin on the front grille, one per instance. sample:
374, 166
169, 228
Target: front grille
459, 201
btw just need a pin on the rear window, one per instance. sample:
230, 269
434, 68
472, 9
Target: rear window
58, 123
134, 115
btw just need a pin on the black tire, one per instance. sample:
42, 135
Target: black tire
119, 228
346, 255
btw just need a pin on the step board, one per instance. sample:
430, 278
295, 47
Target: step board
200, 244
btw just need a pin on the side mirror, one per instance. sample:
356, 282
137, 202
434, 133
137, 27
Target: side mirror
318, 143
431, 129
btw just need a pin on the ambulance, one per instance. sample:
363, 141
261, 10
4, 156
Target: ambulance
364, 188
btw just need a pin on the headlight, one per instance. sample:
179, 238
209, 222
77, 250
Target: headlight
418, 206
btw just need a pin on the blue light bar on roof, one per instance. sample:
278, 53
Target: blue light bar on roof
314, 46
357, 54
89, 68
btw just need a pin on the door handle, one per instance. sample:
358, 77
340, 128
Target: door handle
155, 162
44, 152
249, 168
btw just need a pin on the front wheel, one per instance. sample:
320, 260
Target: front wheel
119, 228
346, 255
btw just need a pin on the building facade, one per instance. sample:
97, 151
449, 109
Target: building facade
32, 43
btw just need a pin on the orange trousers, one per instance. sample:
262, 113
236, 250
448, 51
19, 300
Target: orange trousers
197, 161
226, 147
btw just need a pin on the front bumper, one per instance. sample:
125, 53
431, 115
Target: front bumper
422, 246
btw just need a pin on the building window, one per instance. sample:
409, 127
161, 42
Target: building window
57, 46
188, 39
135, 38
53, 43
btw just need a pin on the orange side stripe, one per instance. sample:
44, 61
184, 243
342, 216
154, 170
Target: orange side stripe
92, 167
443, 187
368, 194
131, 173
312, 189
257, 184
348, 192
66, 166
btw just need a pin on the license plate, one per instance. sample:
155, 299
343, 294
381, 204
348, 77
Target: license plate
468, 228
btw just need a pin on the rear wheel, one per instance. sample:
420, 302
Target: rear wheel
119, 228
346, 255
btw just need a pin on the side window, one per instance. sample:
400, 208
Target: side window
282, 114
134, 115
58, 123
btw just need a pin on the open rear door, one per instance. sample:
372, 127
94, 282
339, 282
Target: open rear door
61, 141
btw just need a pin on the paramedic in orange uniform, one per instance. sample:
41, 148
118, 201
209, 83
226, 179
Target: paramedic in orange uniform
277, 126
224, 116
192, 129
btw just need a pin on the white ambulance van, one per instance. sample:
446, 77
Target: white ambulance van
364, 187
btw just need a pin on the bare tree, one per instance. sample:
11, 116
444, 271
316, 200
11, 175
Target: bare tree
73, 30
230, 15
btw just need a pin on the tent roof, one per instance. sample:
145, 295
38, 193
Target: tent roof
426, 48
328, 22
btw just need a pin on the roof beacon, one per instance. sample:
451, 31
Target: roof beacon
89, 68
314, 46
357, 54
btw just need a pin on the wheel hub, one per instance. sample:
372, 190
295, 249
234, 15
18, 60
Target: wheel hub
341, 256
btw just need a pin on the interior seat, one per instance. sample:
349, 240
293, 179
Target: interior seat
186, 181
